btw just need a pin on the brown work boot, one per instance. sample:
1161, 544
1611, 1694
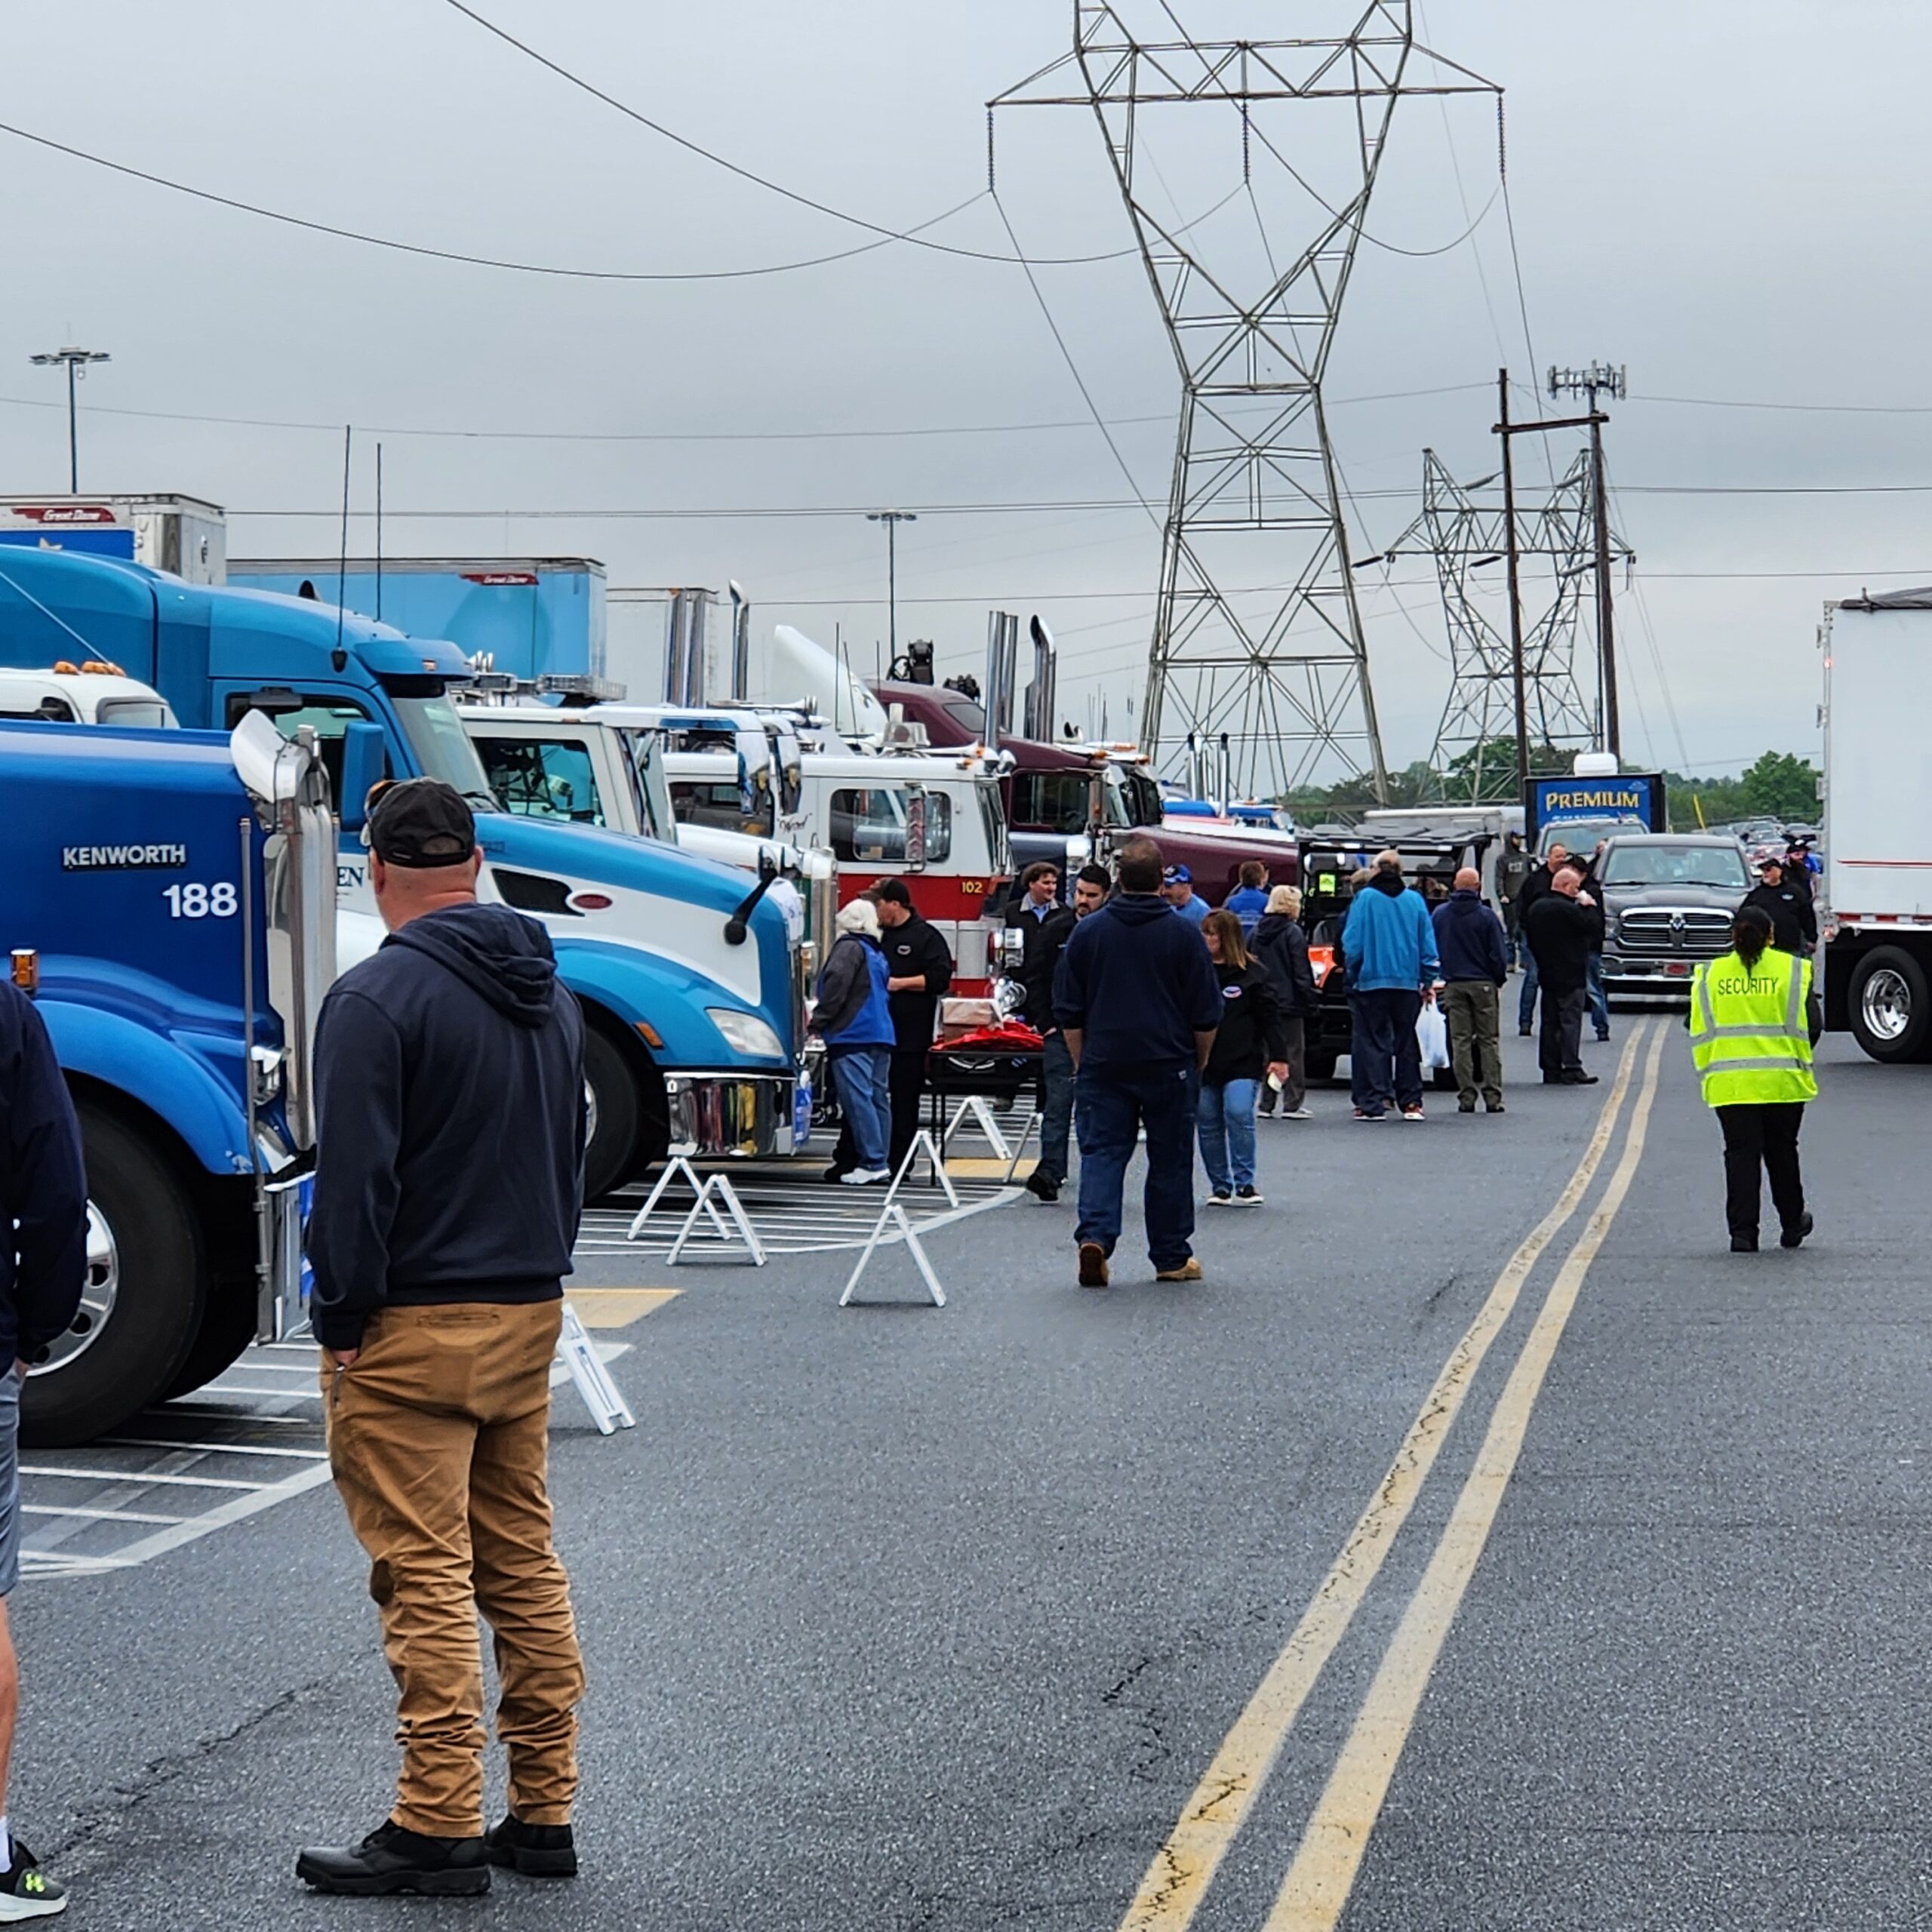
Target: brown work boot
1189, 1270
1093, 1264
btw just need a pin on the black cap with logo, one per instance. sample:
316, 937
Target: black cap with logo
418, 822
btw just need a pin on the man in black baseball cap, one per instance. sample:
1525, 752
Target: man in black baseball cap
420, 823
449, 1076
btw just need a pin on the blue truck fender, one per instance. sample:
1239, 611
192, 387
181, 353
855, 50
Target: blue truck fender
172, 1085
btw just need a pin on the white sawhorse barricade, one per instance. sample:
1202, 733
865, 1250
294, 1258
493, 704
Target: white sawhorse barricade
712, 1193
974, 1106
578, 1354
892, 1216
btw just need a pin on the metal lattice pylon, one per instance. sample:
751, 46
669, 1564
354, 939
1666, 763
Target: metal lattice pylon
1257, 632
1464, 531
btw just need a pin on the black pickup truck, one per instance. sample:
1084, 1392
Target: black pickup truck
1331, 857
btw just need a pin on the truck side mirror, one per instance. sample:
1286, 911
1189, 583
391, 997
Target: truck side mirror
363, 763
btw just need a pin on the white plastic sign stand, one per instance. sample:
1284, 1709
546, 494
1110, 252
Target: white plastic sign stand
608, 1409
709, 1192
893, 1215
975, 1105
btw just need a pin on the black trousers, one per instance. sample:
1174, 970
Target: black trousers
1766, 1138
1559, 1048
908, 1082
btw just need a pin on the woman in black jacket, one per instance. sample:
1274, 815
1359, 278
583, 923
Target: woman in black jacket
1280, 946
1247, 1045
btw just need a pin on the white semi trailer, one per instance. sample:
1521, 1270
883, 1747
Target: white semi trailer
1877, 913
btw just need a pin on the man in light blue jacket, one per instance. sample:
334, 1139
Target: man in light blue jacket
1388, 950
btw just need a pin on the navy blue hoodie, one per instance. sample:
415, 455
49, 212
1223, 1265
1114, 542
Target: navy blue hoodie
1469, 938
449, 1076
1137, 983
44, 1267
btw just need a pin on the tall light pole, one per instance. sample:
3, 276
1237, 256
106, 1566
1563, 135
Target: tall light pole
892, 519
76, 361
1599, 379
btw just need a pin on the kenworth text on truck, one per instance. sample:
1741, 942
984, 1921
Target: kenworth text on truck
172, 894
694, 1035
1876, 913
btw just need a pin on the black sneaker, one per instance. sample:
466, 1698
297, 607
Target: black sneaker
1248, 1197
1795, 1237
1042, 1186
538, 1851
26, 1891
392, 1859
1744, 1243
1220, 1197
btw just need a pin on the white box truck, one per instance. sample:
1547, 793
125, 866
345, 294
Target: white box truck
1877, 911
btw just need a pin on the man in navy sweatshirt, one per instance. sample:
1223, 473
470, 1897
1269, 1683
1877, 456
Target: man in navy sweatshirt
43, 1268
1474, 952
449, 1073
1135, 994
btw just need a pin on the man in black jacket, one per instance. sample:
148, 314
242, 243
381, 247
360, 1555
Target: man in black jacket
1043, 925
1535, 887
918, 968
1794, 917
1137, 998
43, 1268
1564, 928
1474, 953
449, 1073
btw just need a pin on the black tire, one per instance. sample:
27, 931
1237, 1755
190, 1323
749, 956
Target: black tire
228, 1328
1900, 996
611, 1154
1320, 1065
135, 1354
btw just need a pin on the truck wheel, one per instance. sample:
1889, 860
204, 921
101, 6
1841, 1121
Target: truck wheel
141, 1309
227, 1329
1891, 1016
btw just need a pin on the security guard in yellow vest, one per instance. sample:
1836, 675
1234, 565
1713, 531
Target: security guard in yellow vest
1751, 1042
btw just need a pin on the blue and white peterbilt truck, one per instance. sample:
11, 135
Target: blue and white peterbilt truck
170, 896
692, 986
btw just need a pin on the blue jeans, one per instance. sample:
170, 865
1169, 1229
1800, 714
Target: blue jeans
1526, 1002
1057, 1115
1385, 1056
863, 1077
1593, 995
1227, 1134
1111, 1104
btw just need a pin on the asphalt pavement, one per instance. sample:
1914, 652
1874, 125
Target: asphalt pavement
899, 1616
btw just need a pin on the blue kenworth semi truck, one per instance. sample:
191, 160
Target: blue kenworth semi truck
170, 902
692, 984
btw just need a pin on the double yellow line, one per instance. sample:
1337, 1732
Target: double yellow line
1313, 1894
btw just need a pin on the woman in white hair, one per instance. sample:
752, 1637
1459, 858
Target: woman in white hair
854, 1019
1282, 947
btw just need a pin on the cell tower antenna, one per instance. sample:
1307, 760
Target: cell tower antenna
1290, 135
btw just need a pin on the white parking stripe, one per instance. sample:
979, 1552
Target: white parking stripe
138, 1477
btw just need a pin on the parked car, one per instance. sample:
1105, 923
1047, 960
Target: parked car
1668, 901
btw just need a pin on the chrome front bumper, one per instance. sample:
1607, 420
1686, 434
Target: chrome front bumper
725, 1115
1638, 978
281, 1300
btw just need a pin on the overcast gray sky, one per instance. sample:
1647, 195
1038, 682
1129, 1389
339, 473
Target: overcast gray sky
1727, 199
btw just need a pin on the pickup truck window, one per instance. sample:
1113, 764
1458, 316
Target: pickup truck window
542, 778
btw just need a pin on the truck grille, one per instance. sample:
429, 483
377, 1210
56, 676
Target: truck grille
1690, 934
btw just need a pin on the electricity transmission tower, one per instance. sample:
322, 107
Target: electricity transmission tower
1247, 167
1461, 528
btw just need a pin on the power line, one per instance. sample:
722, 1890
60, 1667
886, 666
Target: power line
391, 243
744, 173
690, 435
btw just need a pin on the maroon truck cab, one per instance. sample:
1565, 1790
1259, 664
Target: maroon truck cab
1048, 795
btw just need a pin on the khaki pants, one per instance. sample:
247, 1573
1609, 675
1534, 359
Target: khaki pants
1471, 1007
438, 1441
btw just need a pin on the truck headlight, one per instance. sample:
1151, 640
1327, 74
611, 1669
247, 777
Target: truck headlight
745, 1032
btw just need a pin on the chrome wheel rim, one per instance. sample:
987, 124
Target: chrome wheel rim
98, 1296
1884, 1004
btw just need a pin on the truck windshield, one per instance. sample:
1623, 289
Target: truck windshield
442, 747
1661, 864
